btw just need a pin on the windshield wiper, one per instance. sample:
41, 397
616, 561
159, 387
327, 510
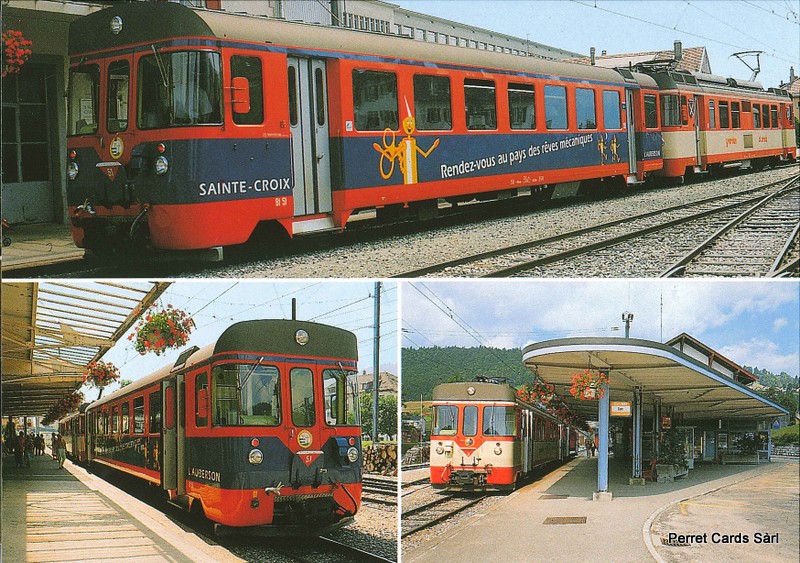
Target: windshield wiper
240, 383
161, 68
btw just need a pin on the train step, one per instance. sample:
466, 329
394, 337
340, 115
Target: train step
313, 226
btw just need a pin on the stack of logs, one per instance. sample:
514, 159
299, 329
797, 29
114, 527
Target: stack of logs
381, 459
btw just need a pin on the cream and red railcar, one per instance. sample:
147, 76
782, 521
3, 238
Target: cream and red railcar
710, 122
73, 429
258, 429
485, 438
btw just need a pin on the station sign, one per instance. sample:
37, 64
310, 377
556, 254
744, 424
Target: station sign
620, 408
666, 422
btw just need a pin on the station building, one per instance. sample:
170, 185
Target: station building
34, 107
681, 386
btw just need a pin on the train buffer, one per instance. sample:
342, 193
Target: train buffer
52, 514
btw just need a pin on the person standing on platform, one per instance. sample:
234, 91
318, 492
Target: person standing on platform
61, 450
19, 449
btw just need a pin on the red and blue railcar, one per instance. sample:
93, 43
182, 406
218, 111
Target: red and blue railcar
258, 429
189, 128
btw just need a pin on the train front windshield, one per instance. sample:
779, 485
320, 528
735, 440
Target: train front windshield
499, 421
246, 395
445, 419
341, 399
179, 88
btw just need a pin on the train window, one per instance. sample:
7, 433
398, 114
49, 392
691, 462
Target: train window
293, 109
670, 110
246, 395
555, 107
499, 421
302, 391
138, 415
126, 417
650, 111
773, 112
179, 88
585, 110
735, 123
340, 398
432, 110
201, 384
521, 106
84, 93
155, 412
480, 104
250, 68
756, 116
445, 420
169, 407
724, 117
612, 116
470, 424
319, 96
712, 118
765, 115
374, 100
119, 78
115, 419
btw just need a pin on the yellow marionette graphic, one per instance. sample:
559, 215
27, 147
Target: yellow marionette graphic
405, 151
614, 148
601, 146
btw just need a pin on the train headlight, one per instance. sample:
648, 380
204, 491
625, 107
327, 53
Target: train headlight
255, 457
439, 449
161, 165
116, 25
497, 449
72, 170
352, 455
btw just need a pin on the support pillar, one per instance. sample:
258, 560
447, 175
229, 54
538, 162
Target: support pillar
636, 479
602, 446
657, 428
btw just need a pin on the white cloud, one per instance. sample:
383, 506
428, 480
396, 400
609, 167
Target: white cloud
780, 323
764, 354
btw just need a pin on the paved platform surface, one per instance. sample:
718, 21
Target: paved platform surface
619, 530
37, 245
51, 514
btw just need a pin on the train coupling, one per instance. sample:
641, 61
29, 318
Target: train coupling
276, 490
468, 478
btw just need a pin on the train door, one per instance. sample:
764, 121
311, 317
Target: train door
303, 428
173, 469
631, 125
118, 138
694, 113
308, 121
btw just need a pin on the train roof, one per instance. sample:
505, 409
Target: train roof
481, 391
145, 22
273, 336
708, 83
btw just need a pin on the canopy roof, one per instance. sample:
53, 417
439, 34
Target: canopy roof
695, 390
52, 330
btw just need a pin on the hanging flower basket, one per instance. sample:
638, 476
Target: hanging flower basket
587, 385
15, 48
162, 329
100, 374
70, 402
537, 392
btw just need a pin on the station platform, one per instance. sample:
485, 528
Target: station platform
38, 245
555, 518
51, 514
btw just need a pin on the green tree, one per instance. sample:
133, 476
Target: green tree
387, 414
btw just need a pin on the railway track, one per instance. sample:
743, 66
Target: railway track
431, 513
379, 491
758, 242
535, 257
321, 548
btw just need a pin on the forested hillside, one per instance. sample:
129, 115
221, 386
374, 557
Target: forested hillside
424, 368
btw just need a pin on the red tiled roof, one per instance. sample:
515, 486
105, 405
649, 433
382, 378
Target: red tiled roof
692, 59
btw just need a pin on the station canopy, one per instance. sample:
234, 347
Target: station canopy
694, 389
52, 331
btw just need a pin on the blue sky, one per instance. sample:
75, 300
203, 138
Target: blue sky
215, 305
751, 322
724, 27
